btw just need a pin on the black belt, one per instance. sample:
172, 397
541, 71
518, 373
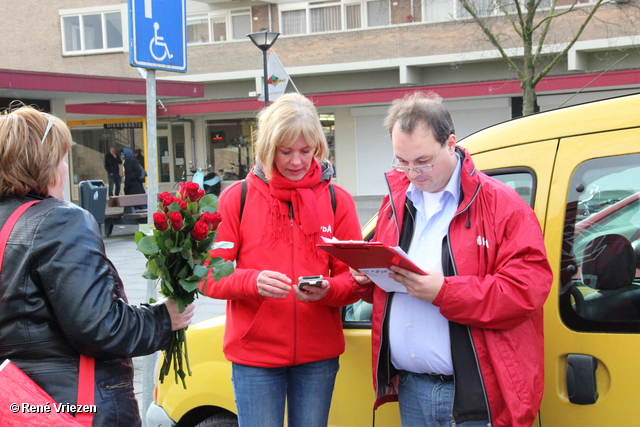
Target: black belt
440, 377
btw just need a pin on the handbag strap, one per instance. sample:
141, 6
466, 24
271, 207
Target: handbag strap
86, 386
8, 226
87, 364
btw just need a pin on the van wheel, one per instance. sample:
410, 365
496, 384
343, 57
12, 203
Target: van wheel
220, 420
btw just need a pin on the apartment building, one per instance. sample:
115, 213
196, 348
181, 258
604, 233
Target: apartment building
352, 57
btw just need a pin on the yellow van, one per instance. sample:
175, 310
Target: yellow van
579, 168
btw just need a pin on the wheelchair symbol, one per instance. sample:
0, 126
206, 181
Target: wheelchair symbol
157, 41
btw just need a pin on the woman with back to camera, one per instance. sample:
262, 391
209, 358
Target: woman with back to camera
284, 342
133, 173
60, 296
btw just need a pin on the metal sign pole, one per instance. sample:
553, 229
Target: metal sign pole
158, 40
152, 202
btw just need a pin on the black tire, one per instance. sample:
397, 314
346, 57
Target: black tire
220, 420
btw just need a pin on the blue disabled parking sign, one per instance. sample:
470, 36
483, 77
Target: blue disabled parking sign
158, 34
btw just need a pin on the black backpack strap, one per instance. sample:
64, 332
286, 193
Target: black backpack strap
243, 196
332, 191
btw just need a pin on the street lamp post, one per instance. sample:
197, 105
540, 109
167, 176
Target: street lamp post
264, 40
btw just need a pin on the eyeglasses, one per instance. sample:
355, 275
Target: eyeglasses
428, 167
49, 126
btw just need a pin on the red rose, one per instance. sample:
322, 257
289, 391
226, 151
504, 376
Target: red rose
217, 219
167, 201
183, 204
212, 219
160, 221
163, 195
189, 191
176, 221
200, 230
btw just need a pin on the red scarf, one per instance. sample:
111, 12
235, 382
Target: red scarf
302, 196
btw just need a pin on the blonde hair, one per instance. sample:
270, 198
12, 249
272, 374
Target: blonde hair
29, 164
281, 124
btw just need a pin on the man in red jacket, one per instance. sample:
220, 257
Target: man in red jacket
463, 344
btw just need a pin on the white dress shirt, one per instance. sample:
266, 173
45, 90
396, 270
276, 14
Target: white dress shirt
419, 334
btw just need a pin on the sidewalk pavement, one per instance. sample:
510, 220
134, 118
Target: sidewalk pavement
130, 263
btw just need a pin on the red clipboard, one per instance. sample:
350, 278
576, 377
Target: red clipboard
363, 255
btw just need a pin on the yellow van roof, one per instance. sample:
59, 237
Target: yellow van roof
615, 113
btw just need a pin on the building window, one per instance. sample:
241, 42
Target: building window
240, 23
92, 32
294, 22
230, 148
332, 15
377, 13
491, 8
219, 27
438, 10
353, 18
198, 30
325, 18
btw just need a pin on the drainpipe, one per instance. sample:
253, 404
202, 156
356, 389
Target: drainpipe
193, 140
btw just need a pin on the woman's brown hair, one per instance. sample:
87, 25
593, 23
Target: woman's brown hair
29, 155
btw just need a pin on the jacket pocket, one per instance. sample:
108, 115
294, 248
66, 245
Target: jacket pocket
266, 332
112, 387
513, 367
118, 406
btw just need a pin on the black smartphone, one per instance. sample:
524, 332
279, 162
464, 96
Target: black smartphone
304, 281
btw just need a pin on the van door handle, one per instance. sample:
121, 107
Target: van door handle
581, 379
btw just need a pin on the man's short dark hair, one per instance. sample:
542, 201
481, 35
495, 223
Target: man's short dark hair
420, 108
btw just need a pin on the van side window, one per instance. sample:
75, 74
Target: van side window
600, 275
521, 179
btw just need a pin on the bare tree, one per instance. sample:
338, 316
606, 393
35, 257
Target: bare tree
531, 20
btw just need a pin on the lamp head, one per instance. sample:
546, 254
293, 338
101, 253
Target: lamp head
263, 39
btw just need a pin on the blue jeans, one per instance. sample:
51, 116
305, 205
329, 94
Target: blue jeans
426, 401
260, 394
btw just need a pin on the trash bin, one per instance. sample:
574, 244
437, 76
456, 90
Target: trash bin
93, 197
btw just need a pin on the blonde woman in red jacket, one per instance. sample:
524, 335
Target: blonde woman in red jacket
284, 342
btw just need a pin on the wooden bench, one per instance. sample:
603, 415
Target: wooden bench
129, 214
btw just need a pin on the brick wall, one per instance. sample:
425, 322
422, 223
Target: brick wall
38, 47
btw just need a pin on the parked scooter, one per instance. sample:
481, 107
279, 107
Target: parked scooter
211, 183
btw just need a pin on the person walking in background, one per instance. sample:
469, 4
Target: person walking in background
137, 153
284, 342
476, 316
112, 164
61, 295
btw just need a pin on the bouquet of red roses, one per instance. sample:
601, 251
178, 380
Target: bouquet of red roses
177, 251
